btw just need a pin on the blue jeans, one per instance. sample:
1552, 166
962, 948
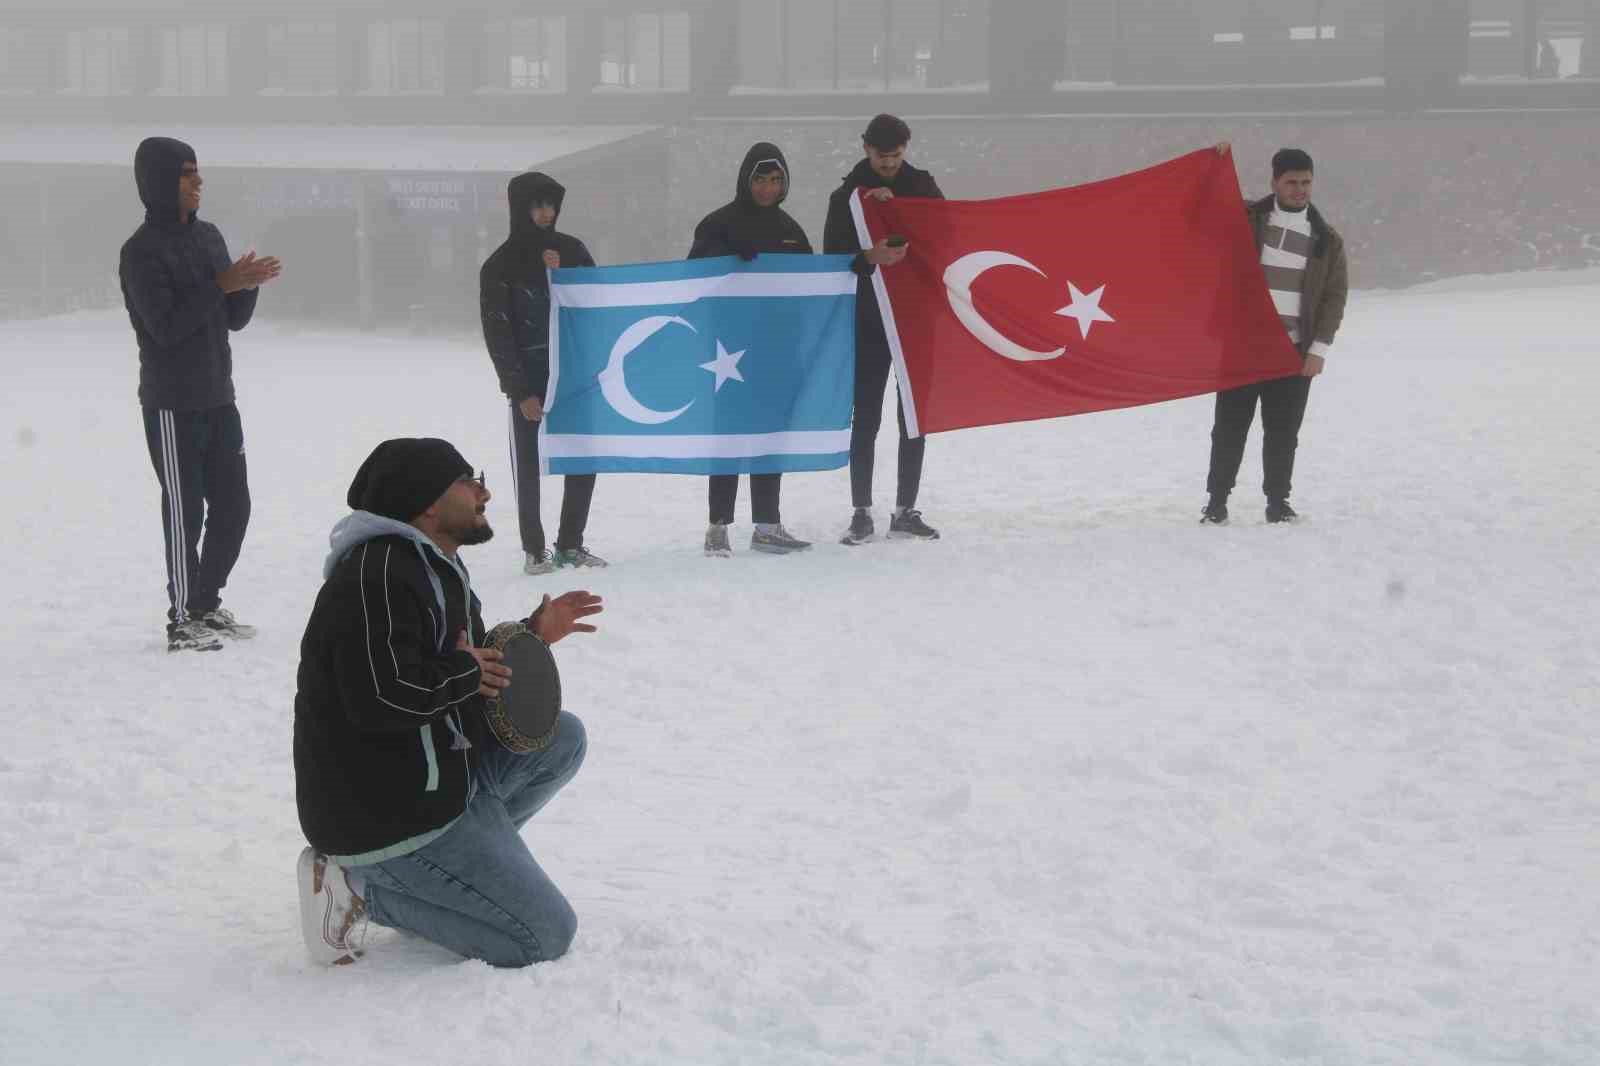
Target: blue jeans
477, 889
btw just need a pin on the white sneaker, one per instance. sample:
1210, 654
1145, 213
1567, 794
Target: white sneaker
333, 919
536, 563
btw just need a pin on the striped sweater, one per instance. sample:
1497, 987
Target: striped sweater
1285, 248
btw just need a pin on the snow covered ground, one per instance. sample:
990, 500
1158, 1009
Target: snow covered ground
1083, 782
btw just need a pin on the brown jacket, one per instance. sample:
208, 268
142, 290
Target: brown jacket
1327, 279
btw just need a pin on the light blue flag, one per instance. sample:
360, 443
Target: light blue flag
710, 366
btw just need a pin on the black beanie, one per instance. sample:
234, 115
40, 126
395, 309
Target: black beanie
403, 477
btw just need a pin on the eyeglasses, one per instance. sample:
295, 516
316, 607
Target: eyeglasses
479, 480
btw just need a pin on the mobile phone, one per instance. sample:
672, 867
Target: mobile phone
894, 240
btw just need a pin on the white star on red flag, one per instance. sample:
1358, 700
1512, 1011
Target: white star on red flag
1086, 309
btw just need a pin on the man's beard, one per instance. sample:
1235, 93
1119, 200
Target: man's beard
477, 534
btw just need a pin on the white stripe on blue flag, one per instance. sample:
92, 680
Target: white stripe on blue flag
710, 366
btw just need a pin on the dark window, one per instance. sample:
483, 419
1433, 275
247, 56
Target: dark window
192, 60
21, 65
863, 45
302, 59
98, 62
646, 51
405, 56
527, 54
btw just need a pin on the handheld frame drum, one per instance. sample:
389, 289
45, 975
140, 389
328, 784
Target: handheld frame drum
523, 716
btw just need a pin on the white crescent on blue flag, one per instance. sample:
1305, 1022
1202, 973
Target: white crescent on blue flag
709, 366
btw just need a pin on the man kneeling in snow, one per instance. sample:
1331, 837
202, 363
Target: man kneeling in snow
411, 807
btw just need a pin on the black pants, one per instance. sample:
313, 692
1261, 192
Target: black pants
1283, 406
723, 492
575, 498
872, 377
205, 501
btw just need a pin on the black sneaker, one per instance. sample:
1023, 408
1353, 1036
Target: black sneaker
1280, 511
193, 635
860, 530
1215, 512
909, 523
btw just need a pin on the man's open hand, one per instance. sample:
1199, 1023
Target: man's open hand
248, 273
560, 616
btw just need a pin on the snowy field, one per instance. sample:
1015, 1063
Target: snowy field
1082, 783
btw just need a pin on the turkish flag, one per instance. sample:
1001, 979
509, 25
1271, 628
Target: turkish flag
1132, 290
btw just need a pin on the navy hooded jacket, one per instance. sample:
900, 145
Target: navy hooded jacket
169, 274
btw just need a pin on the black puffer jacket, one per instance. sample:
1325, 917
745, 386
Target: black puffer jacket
839, 231
743, 228
169, 284
514, 290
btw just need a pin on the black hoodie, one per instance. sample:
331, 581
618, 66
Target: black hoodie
745, 229
514, 289
839, 231
169, 274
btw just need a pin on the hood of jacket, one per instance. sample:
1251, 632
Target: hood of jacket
763, 152
358, 527
157, 165
523, 192
519, 258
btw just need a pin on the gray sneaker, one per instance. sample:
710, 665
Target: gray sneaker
777, 541
579, 556
193, 635
717, 541
222, 622
538, 562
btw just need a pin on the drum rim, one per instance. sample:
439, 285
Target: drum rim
500, 724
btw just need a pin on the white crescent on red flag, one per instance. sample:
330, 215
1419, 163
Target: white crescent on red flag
1132, 290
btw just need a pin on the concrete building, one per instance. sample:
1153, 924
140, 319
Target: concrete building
432, 107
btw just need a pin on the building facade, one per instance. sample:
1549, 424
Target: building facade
645, 61
601, 91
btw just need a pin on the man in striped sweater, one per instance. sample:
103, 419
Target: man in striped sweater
1304, 262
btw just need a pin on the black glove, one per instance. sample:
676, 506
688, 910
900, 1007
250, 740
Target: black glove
744, 249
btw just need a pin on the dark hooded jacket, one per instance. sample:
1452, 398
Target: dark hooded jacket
385, 702
514, 289
839, 232
745, 229
169, 283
